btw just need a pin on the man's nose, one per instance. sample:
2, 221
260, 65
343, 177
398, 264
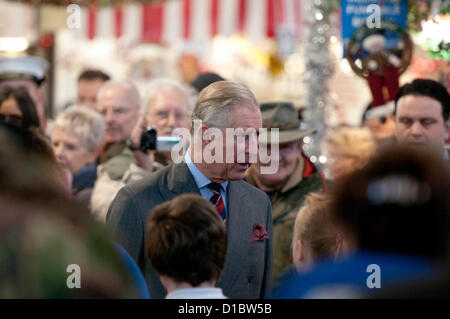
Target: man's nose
109, 116
59, 151
416, 129
251, 145
172, 120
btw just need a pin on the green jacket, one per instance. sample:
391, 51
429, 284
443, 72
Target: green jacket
286, 203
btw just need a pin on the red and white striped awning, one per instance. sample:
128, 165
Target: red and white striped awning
192, 20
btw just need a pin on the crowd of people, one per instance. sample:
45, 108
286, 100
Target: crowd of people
85, 190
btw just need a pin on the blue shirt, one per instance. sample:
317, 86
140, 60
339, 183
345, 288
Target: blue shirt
202, 181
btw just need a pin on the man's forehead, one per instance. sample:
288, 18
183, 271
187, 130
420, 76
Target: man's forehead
115, 96
168, 100
94, 84
418, 104
246, 116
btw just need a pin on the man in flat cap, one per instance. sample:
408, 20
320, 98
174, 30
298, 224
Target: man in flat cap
27, 72
287, 187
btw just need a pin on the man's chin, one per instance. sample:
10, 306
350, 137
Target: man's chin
238, 171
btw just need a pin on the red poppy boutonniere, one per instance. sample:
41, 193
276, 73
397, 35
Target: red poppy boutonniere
259, 233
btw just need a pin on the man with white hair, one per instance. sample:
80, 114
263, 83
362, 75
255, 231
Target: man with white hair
119, 103
169, 105
245, 210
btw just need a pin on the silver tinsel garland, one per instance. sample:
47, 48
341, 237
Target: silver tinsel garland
319, 68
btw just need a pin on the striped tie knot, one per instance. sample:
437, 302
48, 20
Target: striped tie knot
215, 187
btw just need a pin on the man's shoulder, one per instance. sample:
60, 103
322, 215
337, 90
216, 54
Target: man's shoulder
149, 181
249, 189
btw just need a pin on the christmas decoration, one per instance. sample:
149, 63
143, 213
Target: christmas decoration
420, 10
435, 37
380, 55
319, 68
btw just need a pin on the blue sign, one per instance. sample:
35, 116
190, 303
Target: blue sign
356, 13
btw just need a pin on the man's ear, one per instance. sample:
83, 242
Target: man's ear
203, 129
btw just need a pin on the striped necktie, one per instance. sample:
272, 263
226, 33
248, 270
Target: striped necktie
217, 200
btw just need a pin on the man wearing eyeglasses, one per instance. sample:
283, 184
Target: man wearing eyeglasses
168, 106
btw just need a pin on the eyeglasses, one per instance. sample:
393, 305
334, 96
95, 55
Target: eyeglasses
179, 115
15, 120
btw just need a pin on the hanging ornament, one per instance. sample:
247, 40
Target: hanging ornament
319, 69
384, 53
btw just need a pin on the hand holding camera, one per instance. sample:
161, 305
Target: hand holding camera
141, 151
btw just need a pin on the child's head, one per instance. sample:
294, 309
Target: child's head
186, 240
315, 235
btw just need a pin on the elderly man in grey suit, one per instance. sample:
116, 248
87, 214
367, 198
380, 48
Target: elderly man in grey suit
246, 211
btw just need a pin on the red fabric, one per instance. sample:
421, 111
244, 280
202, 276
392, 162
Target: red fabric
298, 17
270, 25
152, 22
187, 19
389, 81
259, 233
310, 170
92, 21
214, 17
242, 12
118, 19
279, 13
309, 167
376, 88
391, 77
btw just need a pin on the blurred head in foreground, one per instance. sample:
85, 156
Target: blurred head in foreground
398, 203
44, 237
315, 235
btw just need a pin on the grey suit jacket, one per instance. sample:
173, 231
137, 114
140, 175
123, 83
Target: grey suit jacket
248, 264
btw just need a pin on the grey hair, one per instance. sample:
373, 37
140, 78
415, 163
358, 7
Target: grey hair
132, 92
163, 85
215, 103
85, 123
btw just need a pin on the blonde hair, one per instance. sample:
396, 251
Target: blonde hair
315, 228
354, 141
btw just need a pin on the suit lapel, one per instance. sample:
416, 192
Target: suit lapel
177, 181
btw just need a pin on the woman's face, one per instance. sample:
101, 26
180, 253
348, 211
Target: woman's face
69, 150
382, 130
11, 112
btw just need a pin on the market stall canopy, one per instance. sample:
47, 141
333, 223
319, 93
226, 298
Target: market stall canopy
87, 2
161, 21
